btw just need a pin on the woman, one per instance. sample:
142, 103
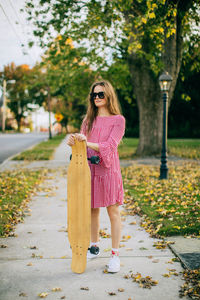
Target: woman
103, 129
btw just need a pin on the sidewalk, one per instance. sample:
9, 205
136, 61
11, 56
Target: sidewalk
39, 258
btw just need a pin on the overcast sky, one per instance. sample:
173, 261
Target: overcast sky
12, 35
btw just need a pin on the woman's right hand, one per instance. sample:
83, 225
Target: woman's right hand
70, 140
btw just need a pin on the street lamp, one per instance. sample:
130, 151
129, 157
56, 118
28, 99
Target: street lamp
165, 81
4, 103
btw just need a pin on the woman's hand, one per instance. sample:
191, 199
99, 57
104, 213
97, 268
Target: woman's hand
70, 140
80, 137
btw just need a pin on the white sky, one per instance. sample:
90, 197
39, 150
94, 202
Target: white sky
11, 35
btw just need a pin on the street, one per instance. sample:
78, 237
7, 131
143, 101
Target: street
14, 143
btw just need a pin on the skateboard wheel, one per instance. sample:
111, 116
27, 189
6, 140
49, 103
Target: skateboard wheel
70, 156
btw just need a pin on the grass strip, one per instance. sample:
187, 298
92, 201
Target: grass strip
186, 148
16, 188
170, 207
42, 151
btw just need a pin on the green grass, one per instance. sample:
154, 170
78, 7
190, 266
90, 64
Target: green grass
186, 148
16, 187
170, 207
42, 151
127, 148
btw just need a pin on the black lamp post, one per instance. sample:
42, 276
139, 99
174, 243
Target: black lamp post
165, 82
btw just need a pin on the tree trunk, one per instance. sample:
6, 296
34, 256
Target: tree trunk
148, 94
18, 124
150, 105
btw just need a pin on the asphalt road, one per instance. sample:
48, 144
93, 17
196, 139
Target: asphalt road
14, 143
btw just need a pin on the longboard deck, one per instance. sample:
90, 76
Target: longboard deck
79, 206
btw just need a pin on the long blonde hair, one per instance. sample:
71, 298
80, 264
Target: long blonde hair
113, 105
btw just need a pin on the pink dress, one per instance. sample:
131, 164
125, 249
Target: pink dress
106, 179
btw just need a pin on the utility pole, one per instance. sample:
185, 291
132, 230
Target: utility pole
49, 110
4, 107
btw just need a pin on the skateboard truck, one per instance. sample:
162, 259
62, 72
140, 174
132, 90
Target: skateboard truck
95, 160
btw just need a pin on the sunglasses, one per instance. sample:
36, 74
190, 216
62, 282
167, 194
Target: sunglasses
101, 95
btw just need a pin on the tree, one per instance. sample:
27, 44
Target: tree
24, 91
68, 76
149, 34
184, 111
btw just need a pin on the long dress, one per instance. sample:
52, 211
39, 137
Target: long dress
106, 178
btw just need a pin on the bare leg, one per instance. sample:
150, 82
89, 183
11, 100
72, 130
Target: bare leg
115, 220
95, 212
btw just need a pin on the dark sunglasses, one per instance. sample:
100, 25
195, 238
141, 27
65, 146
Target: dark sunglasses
101, 95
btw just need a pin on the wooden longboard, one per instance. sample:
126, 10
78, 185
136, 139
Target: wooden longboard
79, 206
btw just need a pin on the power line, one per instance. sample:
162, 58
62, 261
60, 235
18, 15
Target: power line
13, 28
15, 12
19, 21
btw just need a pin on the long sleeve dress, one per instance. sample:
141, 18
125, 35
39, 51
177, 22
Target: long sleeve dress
106, 179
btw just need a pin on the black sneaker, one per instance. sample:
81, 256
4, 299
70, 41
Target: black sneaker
93, 252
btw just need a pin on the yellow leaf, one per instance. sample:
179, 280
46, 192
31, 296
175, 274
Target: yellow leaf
165, 275
133, 223
152, 15
138, 46
173, 31
56, 289
144, 20
107, 249
43, 295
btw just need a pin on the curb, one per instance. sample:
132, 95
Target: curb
29, 148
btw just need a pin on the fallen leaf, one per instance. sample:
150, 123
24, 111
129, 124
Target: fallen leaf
33, 247
145, 282
105, 271
120, 290
103, 234
155, 261
127, 237
133, 223
29, 264
43, 295
56, 289
107, 250
23, 294
85, 288
3, 246
111, 293
166, 275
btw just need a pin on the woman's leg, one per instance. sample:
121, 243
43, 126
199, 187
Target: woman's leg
95, 212
115, 220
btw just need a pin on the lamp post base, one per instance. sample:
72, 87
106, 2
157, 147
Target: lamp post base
163, 172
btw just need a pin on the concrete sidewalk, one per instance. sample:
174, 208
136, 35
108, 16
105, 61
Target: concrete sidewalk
39, 258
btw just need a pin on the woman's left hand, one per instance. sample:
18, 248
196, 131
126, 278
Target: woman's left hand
80, 137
